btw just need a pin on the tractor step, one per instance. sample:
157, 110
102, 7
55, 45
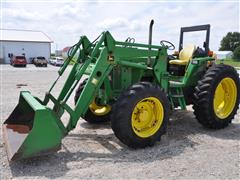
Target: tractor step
175, 84
178, 94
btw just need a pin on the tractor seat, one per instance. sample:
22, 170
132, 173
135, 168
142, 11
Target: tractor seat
185, 55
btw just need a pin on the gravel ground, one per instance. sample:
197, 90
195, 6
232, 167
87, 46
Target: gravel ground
187, 151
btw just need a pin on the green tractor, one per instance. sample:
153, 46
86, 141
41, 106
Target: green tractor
133, 85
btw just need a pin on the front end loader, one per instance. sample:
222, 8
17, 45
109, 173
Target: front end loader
134, 85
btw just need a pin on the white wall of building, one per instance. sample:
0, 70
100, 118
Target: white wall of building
30, 49
224, 54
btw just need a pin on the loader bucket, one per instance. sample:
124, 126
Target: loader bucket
31, 129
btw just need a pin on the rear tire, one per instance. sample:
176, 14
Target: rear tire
139, 117
217, 97
90, 117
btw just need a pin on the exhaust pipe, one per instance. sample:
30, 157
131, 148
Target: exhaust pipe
150, 40
150, 32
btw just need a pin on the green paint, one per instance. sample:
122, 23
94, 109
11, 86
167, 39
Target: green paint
112, 67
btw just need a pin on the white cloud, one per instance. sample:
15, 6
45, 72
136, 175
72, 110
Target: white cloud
65, 28
64, 22
71, 10
22, 14
113, 23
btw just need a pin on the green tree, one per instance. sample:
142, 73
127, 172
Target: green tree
236, 53
230, 42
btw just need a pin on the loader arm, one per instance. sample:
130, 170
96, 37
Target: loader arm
95, 80
102, 68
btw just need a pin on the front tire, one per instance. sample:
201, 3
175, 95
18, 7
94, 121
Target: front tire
95, 113
217, 97
140, 115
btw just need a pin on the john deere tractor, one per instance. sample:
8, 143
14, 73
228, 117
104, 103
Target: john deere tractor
133, 85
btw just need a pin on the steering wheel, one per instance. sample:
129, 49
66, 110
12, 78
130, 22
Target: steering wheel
167, 44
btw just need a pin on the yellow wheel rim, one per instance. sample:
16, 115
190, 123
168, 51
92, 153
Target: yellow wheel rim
99, 110
147, 117
225, 98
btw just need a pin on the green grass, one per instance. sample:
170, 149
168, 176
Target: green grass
230, 62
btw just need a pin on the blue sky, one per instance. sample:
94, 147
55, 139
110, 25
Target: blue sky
65, 21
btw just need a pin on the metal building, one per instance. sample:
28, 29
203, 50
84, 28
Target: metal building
23, 42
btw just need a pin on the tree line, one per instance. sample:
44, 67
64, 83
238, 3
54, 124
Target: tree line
231, 42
